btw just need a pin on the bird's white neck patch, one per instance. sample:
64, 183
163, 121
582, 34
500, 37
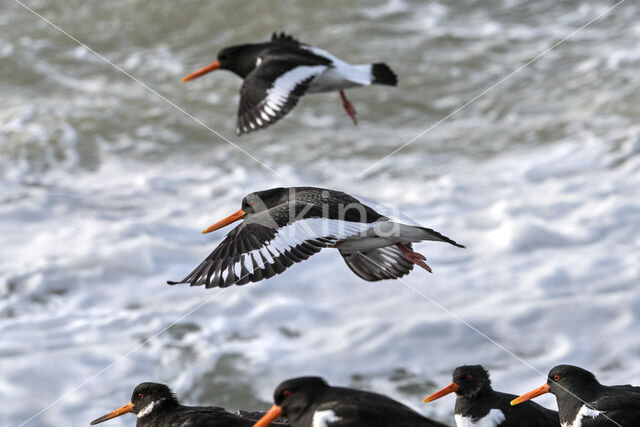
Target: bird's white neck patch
147, 409
492, 419
323, 418
585, 411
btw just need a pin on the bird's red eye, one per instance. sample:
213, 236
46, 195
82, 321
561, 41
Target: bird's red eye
286, 393
226, 56
468, 377
140, 395
556, 377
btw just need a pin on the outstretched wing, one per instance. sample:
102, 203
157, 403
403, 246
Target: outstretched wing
378, 264
254, 251
274, 87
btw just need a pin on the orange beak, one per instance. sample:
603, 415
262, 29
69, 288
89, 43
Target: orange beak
236, 216
213, 66
268, 418
441, 393
120, 411
533, 393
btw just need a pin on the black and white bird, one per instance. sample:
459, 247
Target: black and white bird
155, 405
283, 226
584, 402
278, 72
477, 404
311, 402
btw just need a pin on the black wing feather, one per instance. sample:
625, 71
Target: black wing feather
252, 114
239, 242
378, 264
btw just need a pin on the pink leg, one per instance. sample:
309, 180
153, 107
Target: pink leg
348, 107
414, 257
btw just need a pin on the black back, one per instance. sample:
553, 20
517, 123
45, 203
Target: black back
242, 59
310, 202
302, 398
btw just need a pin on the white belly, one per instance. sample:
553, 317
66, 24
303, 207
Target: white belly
493, 419
383, 233
331, 80
339, 75
323, 418
585, 411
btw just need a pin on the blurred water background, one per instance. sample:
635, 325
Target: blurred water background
105, 188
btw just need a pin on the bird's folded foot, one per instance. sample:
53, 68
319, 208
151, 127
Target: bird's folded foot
414, 257
348, 107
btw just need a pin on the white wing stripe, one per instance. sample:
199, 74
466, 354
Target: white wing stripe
279, 92
289, 237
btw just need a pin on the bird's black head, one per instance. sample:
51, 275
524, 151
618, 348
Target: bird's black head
295, 395
468, 381
262, 200
146, 398
240, 59
293, 398
568, 381
571, 385
471, 380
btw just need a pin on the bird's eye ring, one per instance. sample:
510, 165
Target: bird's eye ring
140, 395
468, 377
556, 377
286, 393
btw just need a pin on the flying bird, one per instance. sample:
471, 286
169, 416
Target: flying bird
311, 402
278, 72
282, 226
155, 405
584, 402
477, 404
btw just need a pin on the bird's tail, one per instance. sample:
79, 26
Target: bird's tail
382, 75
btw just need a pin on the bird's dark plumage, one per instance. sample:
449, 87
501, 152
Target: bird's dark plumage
277, 73
583, 401
283, 226
477, 402
311, 402
155, 405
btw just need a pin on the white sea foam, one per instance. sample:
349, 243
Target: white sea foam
105, 189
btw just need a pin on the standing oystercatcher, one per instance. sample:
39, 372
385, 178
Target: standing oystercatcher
584, 402
311, 402
278, 72
283, 226
156, 406
477, 404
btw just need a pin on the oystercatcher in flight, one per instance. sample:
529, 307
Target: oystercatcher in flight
584, 402
311, 402
477, 404
156, 406
278, 72
283, 226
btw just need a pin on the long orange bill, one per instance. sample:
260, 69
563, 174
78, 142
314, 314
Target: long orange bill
213, 66
440, 393
236, 216
533, 393
268, 418
120, 411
